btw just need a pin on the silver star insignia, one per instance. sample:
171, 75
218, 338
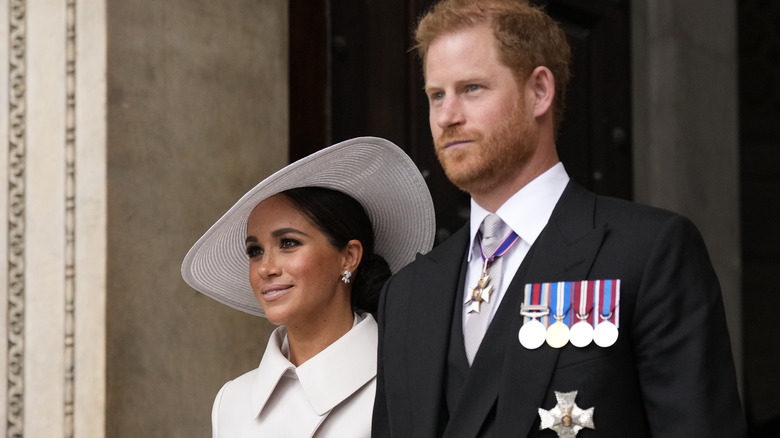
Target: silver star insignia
478, 295
566, 418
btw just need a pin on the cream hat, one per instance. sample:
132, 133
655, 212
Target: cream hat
374, 171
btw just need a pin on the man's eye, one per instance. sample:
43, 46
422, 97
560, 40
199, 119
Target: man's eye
253, 251
436, 96
473, 87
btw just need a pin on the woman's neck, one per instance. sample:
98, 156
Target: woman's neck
306, 341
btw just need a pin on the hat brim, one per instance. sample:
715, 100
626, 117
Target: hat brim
374, 171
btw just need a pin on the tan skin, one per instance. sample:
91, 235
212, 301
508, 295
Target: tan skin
470, 90
295, 274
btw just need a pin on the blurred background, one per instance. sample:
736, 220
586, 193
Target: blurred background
131, 126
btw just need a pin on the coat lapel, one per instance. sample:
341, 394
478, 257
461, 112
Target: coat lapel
437, 280
563, 252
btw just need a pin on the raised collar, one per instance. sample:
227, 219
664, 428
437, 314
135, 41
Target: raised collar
328, 378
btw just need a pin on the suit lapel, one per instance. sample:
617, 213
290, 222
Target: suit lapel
563, 252
437, 280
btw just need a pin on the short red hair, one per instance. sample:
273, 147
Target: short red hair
526, 36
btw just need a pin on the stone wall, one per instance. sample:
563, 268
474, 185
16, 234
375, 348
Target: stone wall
197, 114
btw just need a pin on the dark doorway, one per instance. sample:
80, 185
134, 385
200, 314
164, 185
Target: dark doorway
759, 96
352, 74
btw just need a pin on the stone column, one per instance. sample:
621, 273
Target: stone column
52, 168
686, 145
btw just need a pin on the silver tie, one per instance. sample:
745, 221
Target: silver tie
493, 229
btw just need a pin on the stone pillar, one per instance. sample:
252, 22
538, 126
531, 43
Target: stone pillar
128, 128
52, 168
686, 145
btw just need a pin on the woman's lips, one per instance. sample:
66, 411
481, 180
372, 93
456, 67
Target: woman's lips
274, 292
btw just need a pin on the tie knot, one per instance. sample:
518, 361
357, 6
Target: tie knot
492, 233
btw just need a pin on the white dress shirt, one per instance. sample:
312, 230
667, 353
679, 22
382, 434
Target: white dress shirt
329, 395
526, 213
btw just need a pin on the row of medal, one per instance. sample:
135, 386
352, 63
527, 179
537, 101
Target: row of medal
576, 312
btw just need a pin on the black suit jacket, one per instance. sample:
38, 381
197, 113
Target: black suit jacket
670, 374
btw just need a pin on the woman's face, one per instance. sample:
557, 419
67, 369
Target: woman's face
293, 269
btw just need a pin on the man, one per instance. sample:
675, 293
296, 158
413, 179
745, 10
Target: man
594, 317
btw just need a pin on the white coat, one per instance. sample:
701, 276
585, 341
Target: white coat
329, 395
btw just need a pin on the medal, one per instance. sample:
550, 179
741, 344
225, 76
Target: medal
558, 332
606, 332
566, 418
484, 289
532, 333
581, 333
481, 292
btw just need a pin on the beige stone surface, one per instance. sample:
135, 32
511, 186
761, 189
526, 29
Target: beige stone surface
197, 114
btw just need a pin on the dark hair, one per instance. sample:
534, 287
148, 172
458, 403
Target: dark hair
341, 218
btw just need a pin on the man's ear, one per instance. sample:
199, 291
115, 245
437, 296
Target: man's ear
540, 86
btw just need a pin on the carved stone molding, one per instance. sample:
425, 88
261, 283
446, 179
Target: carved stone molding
16, 217
69, 389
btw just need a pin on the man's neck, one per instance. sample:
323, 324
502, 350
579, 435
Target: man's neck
491, 200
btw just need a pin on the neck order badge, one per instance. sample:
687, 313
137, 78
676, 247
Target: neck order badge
484, 288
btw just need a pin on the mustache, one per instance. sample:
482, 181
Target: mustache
449, 135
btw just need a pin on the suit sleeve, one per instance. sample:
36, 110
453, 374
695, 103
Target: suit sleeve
682, 347
380, 426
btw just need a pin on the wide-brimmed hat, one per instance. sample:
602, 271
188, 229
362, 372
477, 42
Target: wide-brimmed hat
374, 171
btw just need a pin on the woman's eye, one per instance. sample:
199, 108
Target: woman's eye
253, 251
288, 243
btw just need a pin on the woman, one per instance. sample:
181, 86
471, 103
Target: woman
309, 248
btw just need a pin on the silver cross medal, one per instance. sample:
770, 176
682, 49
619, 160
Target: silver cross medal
566, 418
481, 292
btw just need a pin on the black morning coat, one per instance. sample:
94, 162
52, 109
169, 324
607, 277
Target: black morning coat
670, 373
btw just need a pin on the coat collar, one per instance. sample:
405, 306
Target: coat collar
328, 378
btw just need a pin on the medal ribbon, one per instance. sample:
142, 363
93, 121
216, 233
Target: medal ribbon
593, 297
560, 295
582, 300
571, 298
508, 243
609, 294
534, 297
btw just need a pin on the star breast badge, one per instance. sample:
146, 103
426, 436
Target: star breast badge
566, 418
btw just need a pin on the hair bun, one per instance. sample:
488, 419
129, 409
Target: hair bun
371, 275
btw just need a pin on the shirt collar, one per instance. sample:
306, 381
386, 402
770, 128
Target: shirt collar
327, 378
528, 210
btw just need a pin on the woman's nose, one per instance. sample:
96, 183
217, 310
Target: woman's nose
268, 267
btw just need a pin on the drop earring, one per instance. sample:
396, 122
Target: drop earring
345, 277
